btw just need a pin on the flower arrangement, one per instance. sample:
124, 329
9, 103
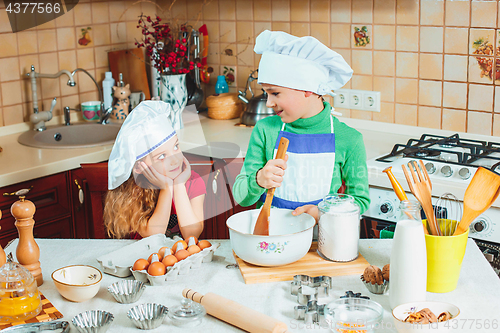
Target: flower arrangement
167, 46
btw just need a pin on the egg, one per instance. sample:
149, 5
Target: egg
182, 254
169, 260
193, 249
157, 268
203, 244
140, 264
164, 249
179, 243
192, 241
159, 257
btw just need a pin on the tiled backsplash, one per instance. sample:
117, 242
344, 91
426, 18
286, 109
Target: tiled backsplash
432, 60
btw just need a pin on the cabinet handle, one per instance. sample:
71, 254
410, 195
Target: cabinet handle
214, 181
81, 195
21, 192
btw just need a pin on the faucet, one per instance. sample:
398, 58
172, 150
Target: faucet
39, 118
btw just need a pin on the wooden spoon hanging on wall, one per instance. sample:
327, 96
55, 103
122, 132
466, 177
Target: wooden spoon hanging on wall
262, 224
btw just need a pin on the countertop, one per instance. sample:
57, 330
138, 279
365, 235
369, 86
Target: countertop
477, 294
20, 163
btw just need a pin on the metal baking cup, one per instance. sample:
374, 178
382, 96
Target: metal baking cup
93, 321
147, 316
127, 291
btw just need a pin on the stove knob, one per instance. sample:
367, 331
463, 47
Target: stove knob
479, 226
464, 173
386, 208
430, 168
447, 171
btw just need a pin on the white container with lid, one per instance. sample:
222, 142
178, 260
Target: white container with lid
107, 90
338, 233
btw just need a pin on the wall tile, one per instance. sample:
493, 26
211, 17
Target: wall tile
386, 87
82, 13
477, 73
456, 40
407, 11
25, 63
258, 27
454, 120
65, 39
118, 32
227, 32
100, 12
116, 11
364, 115
431, 39
486, 35
406, 90
133, 33
280, 10
455, 68
11, 93
431, 66
244, 32
386, 113
432, 12
27, 42
213, 56
361, 82
85, 58
454, 95
13, 114
299, 10
407, 64
4, 23
429, 117
213, 30
346, 54
384, 37
47, 40
320, 11
483, 14
369, 33
321, 32
10, 69
496, 125
384, 63
178, 11
133, 10
280, 26
244, 10
245, 54
497, 99
66, 20
89, 96
227, 10
341, 35
101, 56
48, 25
362, 11
480, 97
341, 11
457, 13
303, 29
430, 93
1, 117
384, 11
84, 82
362, 62
102, 34
405, 114
262, 10
73, 101
479, 122
406, 37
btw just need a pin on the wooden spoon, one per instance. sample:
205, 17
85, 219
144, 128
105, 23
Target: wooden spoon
481, 193
262, 224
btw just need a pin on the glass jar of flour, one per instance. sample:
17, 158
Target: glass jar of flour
338, 233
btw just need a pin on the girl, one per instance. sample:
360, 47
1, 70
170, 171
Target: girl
323, 152
152, 187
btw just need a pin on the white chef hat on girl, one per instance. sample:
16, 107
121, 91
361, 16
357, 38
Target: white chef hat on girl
300, 63
146, 128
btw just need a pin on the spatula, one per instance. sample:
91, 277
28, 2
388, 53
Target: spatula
481, 193
262, 224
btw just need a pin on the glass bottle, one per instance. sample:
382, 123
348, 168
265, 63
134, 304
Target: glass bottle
408, 272
221, 85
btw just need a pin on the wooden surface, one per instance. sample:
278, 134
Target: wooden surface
132, 65
311, 264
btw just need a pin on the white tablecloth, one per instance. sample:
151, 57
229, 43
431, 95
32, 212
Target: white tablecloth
477, 294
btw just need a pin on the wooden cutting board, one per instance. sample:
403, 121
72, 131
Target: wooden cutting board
133, 67
311, 264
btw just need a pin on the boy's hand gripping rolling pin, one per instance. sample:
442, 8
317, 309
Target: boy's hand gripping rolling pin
262, 224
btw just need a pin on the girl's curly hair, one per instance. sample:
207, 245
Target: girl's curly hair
128, 207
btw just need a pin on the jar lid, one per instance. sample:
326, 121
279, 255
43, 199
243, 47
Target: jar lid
188, 314
16, 278
338, 203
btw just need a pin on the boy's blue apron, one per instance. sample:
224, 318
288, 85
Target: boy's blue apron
309, 172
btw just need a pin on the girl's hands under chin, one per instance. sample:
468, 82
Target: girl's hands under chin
184, 175
155, 178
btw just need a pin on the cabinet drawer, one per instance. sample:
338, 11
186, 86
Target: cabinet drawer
49, 194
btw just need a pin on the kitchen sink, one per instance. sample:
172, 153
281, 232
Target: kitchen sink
72, 136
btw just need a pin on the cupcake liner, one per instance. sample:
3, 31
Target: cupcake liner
376, 288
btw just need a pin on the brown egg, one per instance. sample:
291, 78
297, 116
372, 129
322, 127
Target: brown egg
169, 260
193, 249
192, 241
182, 254
157, 269
140, 264
162, 250
160, 257
203, 244
181, 243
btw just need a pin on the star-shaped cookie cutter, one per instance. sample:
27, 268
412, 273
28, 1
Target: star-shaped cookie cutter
308, 288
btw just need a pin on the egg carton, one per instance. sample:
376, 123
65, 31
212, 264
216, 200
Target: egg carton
119, 262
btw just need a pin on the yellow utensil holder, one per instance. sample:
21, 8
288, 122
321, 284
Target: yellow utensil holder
444, 259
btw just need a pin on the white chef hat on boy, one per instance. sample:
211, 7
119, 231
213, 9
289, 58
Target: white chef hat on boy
302, 63
146, 128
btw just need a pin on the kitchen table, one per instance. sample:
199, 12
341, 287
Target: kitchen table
477, 294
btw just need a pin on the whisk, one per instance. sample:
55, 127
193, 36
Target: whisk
448, 212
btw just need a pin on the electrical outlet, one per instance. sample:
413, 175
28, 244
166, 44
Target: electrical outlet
341, 99
371, 101
357, 99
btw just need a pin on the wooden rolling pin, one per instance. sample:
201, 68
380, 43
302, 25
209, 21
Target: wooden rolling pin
235, 313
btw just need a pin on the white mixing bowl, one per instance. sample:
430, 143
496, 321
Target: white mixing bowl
289, 237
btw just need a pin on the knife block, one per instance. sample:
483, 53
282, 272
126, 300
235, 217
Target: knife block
27, 251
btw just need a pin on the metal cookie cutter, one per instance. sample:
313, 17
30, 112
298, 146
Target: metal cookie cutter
308, 288
312, 313
39, 327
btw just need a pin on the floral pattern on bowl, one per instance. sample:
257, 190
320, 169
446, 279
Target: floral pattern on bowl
266, 247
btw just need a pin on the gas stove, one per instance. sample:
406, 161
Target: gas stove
451, 162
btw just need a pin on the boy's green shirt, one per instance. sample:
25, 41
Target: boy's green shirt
350, 156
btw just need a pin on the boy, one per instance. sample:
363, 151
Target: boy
323, 152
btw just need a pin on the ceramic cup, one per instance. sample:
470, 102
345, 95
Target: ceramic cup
136, 98
91, 110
